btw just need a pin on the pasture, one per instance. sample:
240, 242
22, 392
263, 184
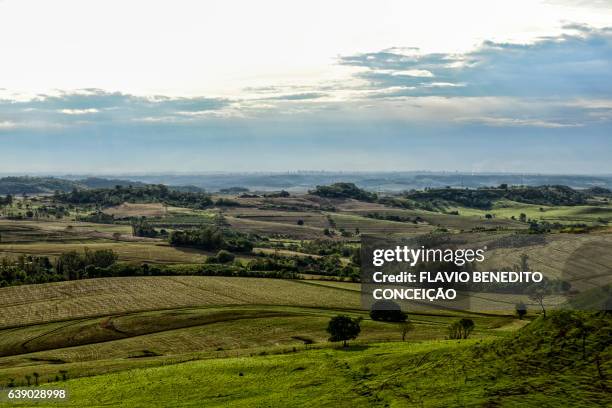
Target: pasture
98, 326
506, 209
484, 371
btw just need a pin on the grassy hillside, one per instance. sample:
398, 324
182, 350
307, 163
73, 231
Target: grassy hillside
102, 326
545, 364
562, 214
84, 347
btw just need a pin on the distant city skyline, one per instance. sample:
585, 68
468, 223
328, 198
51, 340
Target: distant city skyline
109, 87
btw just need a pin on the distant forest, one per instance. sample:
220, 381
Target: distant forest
481, 198
429, 198
48, 185
298, 181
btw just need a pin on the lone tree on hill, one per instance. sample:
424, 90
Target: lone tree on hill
343, 328
461, 329
407, 327
467, 326
538, 292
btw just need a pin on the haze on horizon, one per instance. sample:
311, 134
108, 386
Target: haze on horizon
111, 87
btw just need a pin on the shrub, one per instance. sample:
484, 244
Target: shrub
521, 310
224, 256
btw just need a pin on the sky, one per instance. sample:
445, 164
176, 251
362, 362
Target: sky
184, 86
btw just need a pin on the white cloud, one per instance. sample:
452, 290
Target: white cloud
514, 122
443, 85
423, 73
79, 111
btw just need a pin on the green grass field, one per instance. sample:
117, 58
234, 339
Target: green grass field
589, 214
100, 326
514, 370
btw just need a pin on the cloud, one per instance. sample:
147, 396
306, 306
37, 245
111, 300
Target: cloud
101, 106
79, 111
570, 65
584, 3
298, 96
551, 83
517, 122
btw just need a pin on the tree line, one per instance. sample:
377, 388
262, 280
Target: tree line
29, 269
155, 193
483, 198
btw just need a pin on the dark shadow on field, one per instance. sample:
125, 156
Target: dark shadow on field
358, 347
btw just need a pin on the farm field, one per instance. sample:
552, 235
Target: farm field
226, 334
64, 230
275, 229
106, 325
462, 222
28, 304
554, 254
138, 210
434, 373
152, 252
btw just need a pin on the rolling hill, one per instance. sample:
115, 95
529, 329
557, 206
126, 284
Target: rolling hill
550, 362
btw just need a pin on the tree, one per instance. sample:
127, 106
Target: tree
461, 329
300, 222
70, 264
141, 228
36, 375
538, 292
467, 326
454, 331
102, 258
521, 310
523, 217
524, 266
343, 328
407, 327
28, 379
